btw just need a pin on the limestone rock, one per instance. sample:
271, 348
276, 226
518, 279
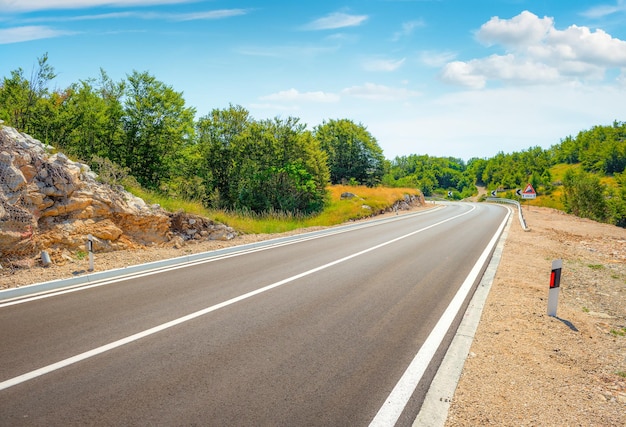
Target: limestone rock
194, 227
49, 202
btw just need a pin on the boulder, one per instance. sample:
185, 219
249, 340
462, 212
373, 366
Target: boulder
195, 227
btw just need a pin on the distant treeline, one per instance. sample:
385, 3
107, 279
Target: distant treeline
593, 182
139, 131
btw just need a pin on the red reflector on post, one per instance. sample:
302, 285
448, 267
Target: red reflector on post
555, 278
555, 282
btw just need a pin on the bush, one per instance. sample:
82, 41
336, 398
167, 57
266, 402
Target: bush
112, 174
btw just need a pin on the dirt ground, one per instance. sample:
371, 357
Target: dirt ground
525, 368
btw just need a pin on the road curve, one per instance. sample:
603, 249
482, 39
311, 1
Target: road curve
317, 331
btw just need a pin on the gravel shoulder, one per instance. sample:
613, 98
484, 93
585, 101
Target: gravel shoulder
525, 368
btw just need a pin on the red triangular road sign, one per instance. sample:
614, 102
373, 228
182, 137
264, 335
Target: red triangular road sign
529, 190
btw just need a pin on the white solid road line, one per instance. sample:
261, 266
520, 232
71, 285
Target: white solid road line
397, 400
210, 257
102, 349
436, 405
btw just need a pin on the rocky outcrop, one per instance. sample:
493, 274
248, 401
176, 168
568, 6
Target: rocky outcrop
50, 202
409, 201
188, 227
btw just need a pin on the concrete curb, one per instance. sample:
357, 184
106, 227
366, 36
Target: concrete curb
130, 271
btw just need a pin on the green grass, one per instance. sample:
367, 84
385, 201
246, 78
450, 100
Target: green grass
558, 171
171, 205
619, 332
595, 266
336, 212
554, 200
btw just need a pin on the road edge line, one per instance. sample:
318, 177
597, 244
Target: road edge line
436, 405
396, 402
11, 382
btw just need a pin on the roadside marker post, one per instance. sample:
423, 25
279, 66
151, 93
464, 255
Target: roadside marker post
555, 284
45, 259
90, 250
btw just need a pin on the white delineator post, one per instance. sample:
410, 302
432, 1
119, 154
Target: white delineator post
555, 283
90, 250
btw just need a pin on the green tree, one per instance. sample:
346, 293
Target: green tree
584, 195
568, 151
88, 122
284, 168
617, 201
431, 174
220, 149
157, 125
19, 97
260, 165
353, 153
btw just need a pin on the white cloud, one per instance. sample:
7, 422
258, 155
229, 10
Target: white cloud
113, 15
376, 92
32, 5
292, 95
369, 91
27, 33
335, 21
524, 29
605, 10
468, 123
207, 15
436, 59
286, 51
463, 74
407, 29
280, 108
197, 16
538, 53
580, 44
383, 64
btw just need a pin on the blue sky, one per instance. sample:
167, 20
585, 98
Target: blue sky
439, 77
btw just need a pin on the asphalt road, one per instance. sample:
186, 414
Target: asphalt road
313, 332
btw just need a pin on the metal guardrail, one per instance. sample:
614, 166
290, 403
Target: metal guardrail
511, 202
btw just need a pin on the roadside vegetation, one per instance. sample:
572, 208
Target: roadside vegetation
337, 211
582, 175
278, 174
